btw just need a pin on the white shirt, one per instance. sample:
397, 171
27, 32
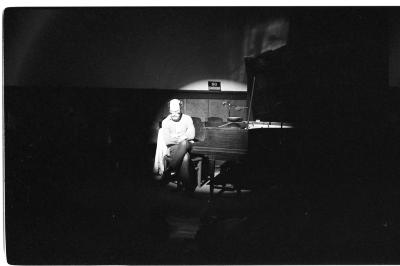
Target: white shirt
174, 132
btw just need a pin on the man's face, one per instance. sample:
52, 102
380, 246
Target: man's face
175, 114
175, 110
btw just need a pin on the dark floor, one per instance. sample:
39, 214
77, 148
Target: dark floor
151, 224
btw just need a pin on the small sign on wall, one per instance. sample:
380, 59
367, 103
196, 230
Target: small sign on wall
214, 85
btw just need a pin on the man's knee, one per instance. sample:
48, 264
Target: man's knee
185, 144
186, 158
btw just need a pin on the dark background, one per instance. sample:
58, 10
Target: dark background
81, 85
163, 48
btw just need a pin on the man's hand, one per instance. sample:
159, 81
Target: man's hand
174, 139
182, 138
178, 139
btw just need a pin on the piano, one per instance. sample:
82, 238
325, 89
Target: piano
265, 145
228, 144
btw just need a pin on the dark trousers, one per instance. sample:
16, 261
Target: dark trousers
179, 161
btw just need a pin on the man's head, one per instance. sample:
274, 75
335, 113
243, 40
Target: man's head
175, 109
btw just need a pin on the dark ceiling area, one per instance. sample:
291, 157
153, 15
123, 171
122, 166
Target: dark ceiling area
163, 48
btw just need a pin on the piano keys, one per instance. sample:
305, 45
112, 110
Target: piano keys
259, 124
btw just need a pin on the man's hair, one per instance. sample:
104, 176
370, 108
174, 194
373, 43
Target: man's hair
175, 100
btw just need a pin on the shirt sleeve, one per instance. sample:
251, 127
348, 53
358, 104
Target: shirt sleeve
190, 132
168, 139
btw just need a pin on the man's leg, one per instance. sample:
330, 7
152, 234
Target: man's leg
187, 173
174, 160
179, 161
179, 151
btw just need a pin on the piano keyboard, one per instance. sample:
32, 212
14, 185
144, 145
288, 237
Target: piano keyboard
260, 124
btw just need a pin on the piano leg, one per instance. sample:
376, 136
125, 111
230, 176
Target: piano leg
212, 172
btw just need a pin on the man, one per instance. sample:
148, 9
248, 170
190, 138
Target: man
178, 130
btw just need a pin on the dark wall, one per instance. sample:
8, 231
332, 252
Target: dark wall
342, 76
75, 160
157, 47
333, 76
394, 49
145, 47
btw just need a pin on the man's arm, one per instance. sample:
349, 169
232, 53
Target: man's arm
168, 138
190, 132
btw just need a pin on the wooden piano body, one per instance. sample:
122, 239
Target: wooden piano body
215, 143
260, 150
222, 143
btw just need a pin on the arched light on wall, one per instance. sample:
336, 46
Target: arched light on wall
199, 86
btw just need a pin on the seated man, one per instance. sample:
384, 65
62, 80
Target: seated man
178, 130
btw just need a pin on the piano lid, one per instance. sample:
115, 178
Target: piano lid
273, 93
